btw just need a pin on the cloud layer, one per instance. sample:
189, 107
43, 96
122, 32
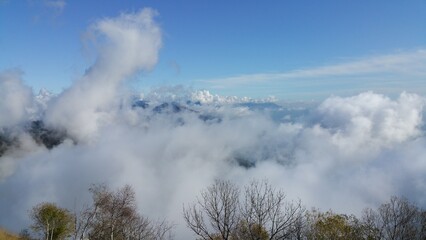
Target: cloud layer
344, 154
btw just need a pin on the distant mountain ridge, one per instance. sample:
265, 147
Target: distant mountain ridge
207, 108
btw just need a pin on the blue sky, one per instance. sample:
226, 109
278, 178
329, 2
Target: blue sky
289, 49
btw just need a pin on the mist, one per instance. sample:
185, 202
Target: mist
344, 153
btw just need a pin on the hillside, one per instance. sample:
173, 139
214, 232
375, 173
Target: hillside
6, 235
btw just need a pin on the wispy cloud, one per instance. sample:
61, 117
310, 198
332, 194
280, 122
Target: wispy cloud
406, 63
45, 9
57, 5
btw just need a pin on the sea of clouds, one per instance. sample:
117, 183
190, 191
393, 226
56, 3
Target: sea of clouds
345, 153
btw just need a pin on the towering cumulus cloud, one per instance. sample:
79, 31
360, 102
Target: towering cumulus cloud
125, 45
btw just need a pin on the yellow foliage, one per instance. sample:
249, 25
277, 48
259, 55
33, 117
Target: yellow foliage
246, 231
6, 235
331, 226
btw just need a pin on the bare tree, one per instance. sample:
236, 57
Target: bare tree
83, 221
219, 203
422, 224
264, 213
266, 209
115, 211
113, 215
397, 219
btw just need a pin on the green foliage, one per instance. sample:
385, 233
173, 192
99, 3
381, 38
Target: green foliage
52, 221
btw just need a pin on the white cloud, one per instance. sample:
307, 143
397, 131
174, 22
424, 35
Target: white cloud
382, 119
126, 44
16, 99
